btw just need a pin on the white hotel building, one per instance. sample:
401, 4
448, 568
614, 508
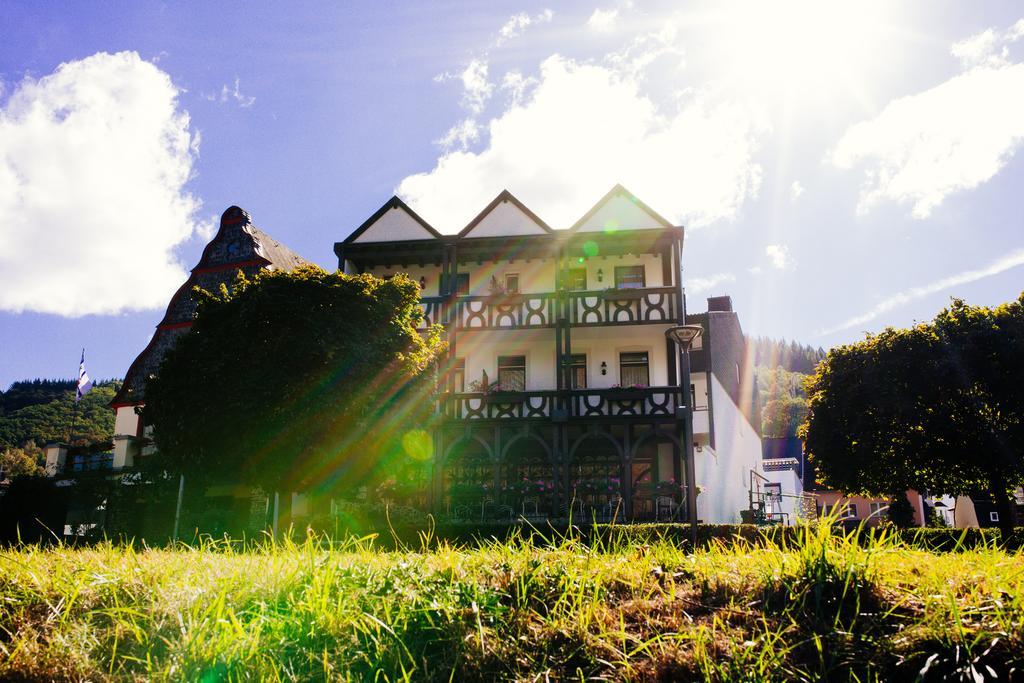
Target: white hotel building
582, 412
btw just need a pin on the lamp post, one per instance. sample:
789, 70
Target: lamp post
684, 336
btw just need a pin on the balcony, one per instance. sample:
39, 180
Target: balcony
648, 306
649, 402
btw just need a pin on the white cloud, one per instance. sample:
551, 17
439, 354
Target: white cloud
953, 137
984, 48
1012, 260
795, 190
94, 160
699, 285
583, 128
518, 23
461, 135
233, 93
779, 257
517, 85
603, 19
476, 88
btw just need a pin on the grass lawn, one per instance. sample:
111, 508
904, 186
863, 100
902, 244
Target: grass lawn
824, 608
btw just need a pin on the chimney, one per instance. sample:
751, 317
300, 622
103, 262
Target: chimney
720, 303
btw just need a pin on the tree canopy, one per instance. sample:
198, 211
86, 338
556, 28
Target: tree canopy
935, 407
295, 381
782, 400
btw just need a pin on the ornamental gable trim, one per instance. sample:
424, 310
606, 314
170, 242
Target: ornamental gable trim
620, 210
505, 216
393, 222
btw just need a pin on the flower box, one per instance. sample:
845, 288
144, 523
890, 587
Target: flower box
627, 394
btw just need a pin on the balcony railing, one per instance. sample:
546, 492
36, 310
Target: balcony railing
648, 306
660, 402
652, 305
513, 311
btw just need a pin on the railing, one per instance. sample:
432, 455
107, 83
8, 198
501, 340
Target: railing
432, 306
512, 311
579, 403
649, 306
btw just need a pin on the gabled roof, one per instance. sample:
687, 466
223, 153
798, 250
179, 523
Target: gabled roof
505, 216
400, 228
619, 209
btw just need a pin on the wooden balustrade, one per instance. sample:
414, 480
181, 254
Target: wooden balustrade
646, 402
648, 306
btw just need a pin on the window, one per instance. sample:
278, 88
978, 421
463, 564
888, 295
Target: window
576, 279
773, 492
461, 284
993, 516
877, 509
633, 369
459, 374
511, 283
846, 510
512, 373
629, 277
578, 371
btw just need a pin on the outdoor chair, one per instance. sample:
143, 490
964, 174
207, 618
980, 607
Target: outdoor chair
665, 508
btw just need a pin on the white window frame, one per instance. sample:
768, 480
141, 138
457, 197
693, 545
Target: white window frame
518, 281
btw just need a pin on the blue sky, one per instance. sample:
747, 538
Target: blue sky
839, 167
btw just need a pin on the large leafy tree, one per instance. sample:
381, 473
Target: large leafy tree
935, 407
294, 381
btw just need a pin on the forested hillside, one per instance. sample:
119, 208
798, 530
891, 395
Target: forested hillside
42, 410
791, 356
780, 369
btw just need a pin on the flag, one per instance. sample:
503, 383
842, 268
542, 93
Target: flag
84, 383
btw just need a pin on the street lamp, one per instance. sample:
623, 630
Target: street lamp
684, 336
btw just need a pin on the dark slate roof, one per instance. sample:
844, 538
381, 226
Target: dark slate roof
238, 246
279, 256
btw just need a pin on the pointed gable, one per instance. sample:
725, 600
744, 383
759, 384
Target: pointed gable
619, 210
393, 222
506, 216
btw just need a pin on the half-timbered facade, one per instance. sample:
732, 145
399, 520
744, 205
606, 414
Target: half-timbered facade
562, 392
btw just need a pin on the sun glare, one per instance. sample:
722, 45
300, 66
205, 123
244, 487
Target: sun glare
809, 46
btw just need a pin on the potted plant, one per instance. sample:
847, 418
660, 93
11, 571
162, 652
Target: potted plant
493, 392
669, 488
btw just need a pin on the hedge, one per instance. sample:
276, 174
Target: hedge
471, 533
